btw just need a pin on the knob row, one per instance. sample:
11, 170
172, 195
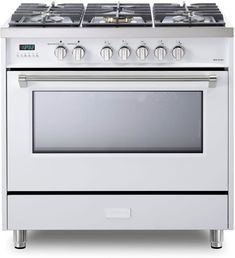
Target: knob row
78, 52
142, 52
124, 52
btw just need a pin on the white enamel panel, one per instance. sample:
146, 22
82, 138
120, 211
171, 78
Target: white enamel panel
198, 171
87, 212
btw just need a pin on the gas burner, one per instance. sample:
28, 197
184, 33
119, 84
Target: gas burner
43, 15
197, 18
114, 20
185, 18
45, 18
117, 15
182, 15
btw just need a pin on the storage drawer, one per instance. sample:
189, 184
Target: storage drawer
117, 212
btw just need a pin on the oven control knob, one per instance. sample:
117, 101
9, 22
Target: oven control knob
142, 52
60, 52
78, 53
106, 53
178, 52
124, 53
160, 53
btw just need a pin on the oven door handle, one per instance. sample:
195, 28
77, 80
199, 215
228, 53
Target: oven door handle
24, 79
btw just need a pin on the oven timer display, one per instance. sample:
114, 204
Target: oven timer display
29, 47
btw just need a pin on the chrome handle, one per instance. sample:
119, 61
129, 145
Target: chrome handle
24, 79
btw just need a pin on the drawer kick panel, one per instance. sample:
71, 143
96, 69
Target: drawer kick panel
123, 212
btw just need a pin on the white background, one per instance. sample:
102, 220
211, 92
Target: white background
108, 244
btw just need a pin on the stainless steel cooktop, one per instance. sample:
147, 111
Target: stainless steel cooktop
117, 14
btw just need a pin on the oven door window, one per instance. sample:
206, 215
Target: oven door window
117, 121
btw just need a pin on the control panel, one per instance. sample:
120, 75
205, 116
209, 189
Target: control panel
117, 52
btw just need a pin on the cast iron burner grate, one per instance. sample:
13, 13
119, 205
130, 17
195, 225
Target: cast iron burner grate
117, 15
202, 14
42, 15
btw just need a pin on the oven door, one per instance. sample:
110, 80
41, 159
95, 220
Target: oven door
117, 131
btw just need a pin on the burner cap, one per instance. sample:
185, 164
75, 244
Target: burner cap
48, 18
197, 18
56, 18
179, 18
185, 18
37, 18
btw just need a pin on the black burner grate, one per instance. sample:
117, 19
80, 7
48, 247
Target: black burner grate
201, 14
117, 15
43, 15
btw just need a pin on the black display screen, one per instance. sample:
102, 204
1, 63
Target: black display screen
27, 47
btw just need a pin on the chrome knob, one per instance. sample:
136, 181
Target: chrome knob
60, 52
178, 52
106, 53
142, 52
124, 53
78, 53
160, 53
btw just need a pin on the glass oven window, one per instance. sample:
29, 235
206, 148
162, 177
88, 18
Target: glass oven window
117, 122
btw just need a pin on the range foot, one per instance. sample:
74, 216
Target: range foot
18, 247
19, 237
216, 238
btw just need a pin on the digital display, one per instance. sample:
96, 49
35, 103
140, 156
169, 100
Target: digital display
27, 47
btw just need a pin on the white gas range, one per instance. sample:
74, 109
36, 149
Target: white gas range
118, 121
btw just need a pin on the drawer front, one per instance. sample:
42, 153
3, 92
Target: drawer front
117, 212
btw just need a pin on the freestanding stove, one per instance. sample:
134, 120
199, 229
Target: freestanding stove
114, 120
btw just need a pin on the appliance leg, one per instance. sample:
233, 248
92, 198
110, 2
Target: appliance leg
19, 237
216, 238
